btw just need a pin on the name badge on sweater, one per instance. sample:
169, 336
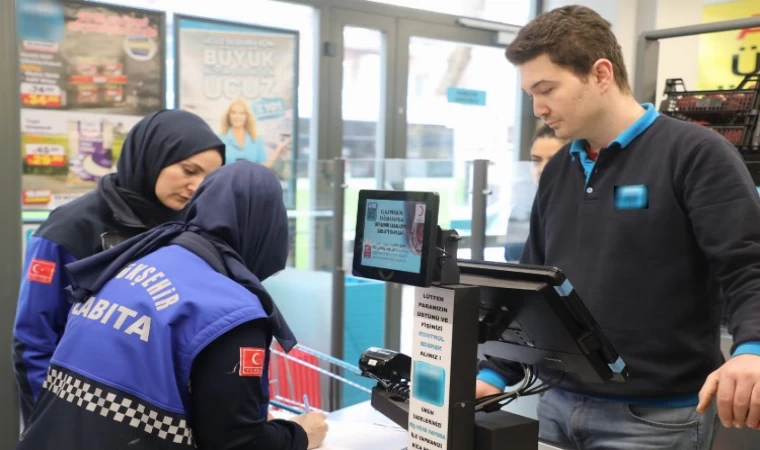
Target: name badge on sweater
632, 197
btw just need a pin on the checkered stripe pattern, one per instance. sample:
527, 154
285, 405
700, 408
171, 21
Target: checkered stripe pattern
117, 407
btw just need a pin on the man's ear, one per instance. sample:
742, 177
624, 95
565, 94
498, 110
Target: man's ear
602, 74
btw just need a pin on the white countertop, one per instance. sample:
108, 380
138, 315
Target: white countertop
363, 413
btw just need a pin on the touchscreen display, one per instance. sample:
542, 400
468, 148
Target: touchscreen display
394, 231
395, 237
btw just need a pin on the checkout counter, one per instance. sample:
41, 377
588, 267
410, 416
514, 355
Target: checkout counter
463, 309
383, 433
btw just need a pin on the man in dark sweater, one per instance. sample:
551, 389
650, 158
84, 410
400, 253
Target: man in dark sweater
648, 216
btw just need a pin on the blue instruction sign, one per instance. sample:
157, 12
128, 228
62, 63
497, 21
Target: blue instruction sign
466, 96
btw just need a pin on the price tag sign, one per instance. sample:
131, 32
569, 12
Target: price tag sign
45, 155
44, 95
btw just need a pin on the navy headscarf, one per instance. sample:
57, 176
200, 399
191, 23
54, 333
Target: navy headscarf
239, 209
159, 140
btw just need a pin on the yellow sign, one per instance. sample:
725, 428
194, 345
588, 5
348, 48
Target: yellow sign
725, 58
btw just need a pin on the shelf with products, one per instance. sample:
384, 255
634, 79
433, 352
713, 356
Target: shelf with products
732, 113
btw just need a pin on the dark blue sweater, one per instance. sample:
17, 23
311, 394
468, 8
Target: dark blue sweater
647, 235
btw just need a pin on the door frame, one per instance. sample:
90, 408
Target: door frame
334, 48
397, 32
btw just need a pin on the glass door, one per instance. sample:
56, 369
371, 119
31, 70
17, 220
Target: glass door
431, 96
361, 49
460, 99
361, 86
456, 97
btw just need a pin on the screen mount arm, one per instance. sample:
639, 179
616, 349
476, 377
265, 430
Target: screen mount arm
446, 268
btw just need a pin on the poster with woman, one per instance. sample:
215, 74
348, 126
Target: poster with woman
242, 80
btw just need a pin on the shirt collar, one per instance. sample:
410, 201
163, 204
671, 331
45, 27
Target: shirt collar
627, 136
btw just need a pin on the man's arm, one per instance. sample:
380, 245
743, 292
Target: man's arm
724, 208
229, 410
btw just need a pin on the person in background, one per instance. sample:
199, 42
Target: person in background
545, 145
164, 159
239, 133
647, 216
167, 346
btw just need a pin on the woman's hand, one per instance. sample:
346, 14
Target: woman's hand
278, 152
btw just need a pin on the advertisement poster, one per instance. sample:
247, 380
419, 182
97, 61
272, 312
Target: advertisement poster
243, 81
431, 368
88, 72
393, 235
726, 58
65, 153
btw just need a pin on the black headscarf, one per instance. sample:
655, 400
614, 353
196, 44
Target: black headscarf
159, 140
239, 209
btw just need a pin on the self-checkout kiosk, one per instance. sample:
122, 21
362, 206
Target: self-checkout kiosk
529, 315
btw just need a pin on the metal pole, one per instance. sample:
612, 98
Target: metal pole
704, 28
648, 51
10, 221
339, 279
393, 309
537, 8
645, 78
479, 195
526, 124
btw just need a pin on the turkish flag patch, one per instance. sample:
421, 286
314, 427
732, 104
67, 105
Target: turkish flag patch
251, 361
41, 271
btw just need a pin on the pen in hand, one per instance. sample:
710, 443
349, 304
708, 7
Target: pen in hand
313, 423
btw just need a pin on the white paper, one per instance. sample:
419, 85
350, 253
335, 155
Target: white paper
358, 435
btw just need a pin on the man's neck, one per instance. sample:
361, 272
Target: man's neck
618, 117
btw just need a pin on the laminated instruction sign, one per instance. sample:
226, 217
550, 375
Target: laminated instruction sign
431, 369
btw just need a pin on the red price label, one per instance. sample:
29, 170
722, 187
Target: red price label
40, 100
45, 160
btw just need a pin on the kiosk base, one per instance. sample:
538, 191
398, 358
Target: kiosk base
492, 430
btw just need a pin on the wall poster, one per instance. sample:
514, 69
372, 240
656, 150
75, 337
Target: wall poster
243, 81
726, 58
88, 72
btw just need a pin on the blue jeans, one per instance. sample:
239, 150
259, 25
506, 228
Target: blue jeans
577, 422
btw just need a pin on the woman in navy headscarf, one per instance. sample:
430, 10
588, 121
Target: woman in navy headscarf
165, 157
167, 346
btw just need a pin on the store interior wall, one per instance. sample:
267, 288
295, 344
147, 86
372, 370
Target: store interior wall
679, 57
629, 18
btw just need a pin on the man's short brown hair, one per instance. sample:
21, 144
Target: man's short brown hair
574, 37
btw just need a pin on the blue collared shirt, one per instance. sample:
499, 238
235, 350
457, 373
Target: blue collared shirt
578, 147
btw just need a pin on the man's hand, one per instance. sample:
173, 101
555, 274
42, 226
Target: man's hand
483, 389
737, 385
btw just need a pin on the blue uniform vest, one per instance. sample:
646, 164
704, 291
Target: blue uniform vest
140, 334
